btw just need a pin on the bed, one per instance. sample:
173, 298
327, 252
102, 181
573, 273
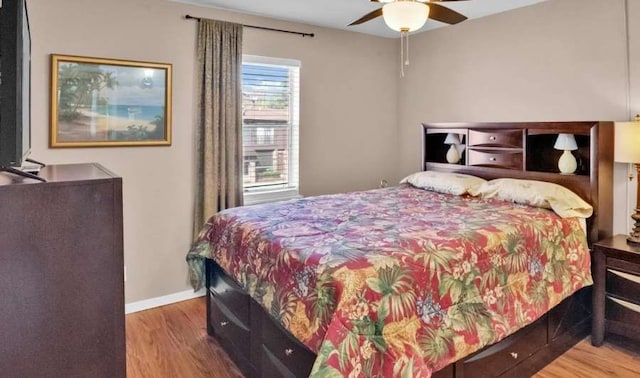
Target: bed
411, 282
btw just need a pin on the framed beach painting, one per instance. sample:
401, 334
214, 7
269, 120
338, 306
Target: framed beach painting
107, 102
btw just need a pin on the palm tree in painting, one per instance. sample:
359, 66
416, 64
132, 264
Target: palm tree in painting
80, 86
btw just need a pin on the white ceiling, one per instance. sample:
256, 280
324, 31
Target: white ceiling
339, 13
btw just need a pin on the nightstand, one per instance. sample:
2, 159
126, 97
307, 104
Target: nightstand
616, 289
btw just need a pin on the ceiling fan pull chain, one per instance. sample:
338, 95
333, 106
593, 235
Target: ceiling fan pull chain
402, 36
406, 62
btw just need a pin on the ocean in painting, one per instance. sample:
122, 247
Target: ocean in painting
132, 112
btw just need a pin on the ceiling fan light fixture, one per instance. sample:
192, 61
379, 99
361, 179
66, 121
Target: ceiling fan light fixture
405, 15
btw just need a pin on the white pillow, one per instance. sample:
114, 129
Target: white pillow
444, 182
561, 200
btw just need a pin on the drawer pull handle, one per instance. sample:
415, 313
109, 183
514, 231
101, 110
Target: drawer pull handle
492, 137
288, 351
222, 324
514, 355
492, 159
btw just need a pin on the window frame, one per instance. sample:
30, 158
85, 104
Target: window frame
278, 192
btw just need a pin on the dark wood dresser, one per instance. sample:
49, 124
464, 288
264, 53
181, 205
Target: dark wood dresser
616, 289
61, 274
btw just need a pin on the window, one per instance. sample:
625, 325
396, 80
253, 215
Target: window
270, 112
264, 135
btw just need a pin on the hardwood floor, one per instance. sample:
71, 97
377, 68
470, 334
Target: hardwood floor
617, 357
172, 341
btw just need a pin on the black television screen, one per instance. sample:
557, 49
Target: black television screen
15, 83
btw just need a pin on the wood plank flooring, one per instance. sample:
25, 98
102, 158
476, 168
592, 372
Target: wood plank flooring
172, 341
616, 358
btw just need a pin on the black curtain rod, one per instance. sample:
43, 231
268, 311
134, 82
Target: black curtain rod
189, 17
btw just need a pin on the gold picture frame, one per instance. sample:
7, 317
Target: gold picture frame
98, 102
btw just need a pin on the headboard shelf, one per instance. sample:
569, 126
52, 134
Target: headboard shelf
548, 161
525, 150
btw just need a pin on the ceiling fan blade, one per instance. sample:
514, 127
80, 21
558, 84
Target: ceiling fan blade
367, 17
443, 14
422, 1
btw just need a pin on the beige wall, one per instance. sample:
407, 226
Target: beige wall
557, 60
345, 78
634, 103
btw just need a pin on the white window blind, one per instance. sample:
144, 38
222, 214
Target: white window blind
270, 117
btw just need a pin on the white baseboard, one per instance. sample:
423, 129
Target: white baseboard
162, 301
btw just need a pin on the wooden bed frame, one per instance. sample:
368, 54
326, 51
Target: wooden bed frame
262, 348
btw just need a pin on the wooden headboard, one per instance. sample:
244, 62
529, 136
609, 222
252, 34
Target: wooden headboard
525, 150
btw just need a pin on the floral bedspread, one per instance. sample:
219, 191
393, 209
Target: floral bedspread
397, 281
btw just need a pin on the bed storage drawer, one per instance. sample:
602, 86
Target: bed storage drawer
227, 292
497, 359
271, 366
498, 159
282, 354
496, 138
228, 328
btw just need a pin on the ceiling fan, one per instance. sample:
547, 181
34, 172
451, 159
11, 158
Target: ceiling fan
407, 9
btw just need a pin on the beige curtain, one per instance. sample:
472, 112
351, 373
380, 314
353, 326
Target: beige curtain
219, 119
